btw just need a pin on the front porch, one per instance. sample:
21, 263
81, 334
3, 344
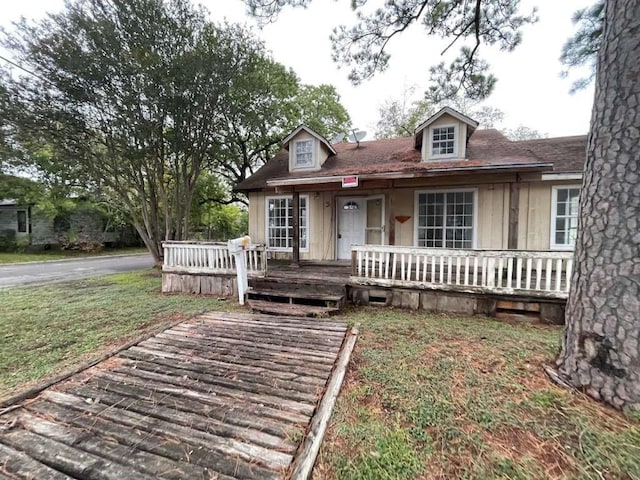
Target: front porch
507, 283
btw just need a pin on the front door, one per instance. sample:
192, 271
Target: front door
360, 221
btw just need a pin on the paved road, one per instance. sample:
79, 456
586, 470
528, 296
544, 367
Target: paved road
45, 272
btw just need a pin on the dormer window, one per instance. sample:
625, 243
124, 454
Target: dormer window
304, 153
443, 141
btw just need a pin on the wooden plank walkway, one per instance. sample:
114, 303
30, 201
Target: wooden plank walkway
222, 396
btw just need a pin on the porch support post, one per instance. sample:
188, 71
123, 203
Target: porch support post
295, 223
514, 213
392, 219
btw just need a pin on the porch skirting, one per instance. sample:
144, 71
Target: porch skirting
219, 284
440, 301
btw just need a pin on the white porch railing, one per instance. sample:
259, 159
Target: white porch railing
531, 273
210, 257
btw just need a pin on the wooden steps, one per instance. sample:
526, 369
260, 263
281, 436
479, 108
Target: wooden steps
296, 299
291, 309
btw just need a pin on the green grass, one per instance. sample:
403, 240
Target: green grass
443, 397
425, 396
14, 257
45, 329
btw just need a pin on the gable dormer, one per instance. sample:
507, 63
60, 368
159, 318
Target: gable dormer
444, 135
308, 150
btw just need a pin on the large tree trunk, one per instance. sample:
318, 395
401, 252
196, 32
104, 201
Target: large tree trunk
601, 353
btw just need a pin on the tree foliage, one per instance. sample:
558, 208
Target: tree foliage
582, 48
399, 117
363, 46
136, 98
261, 108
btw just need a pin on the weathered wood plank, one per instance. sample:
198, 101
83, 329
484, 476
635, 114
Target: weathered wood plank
260, 399
168, 446
271, 459
335, 335
18, 463
302, 322
220, 403
127, 366
136, 459
73, 461
269, 336
187, 419
307, 456
253, 358
200, 367
235, 414
291, 309
307, 353
183, 356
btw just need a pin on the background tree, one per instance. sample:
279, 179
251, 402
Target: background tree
600, 352
261, 108
582, 48
129, 93
522, 132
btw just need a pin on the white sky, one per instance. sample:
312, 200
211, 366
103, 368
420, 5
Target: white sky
529, 91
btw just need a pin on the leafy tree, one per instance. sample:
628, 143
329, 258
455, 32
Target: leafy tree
600, 352
262, 107
399, 118
523, 132
582, 48
130, 93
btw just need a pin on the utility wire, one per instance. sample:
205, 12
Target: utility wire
25, 70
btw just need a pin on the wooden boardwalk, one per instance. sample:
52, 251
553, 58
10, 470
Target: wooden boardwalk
222, 396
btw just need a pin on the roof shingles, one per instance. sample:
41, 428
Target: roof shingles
486, 148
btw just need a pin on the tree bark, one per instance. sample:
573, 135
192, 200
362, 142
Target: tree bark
600, 353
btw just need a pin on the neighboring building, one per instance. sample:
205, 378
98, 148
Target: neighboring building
23, 225
15, 219
451, 185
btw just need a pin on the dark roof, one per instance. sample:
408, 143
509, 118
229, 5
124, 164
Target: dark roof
487, 149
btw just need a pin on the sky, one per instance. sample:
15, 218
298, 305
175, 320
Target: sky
529, 91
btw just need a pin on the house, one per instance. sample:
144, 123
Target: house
453, 219
15, 222
449, 186
25, 225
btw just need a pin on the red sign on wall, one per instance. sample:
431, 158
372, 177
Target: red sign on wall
350, 181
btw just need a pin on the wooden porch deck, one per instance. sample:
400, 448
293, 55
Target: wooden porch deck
221, 396
329, 272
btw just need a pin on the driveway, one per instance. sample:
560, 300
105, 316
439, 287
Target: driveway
63, 270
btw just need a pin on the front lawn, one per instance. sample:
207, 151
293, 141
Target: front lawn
47, 328
425, 396
44, 255
442, 397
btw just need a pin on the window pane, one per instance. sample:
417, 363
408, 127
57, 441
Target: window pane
304, 153
280, 223
448, 221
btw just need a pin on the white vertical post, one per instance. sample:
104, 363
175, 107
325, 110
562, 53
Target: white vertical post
237, 248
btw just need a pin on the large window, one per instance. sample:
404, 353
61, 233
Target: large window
304, 153
443, 141
445, 219
280, 223
564, 216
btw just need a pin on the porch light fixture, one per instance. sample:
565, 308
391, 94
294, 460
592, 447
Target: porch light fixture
351, 206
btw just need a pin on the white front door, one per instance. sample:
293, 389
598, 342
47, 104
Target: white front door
360, 222
351, 224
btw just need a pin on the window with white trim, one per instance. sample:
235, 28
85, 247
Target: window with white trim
280, 222
445, 219
443, 141
303, 153
564, 216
